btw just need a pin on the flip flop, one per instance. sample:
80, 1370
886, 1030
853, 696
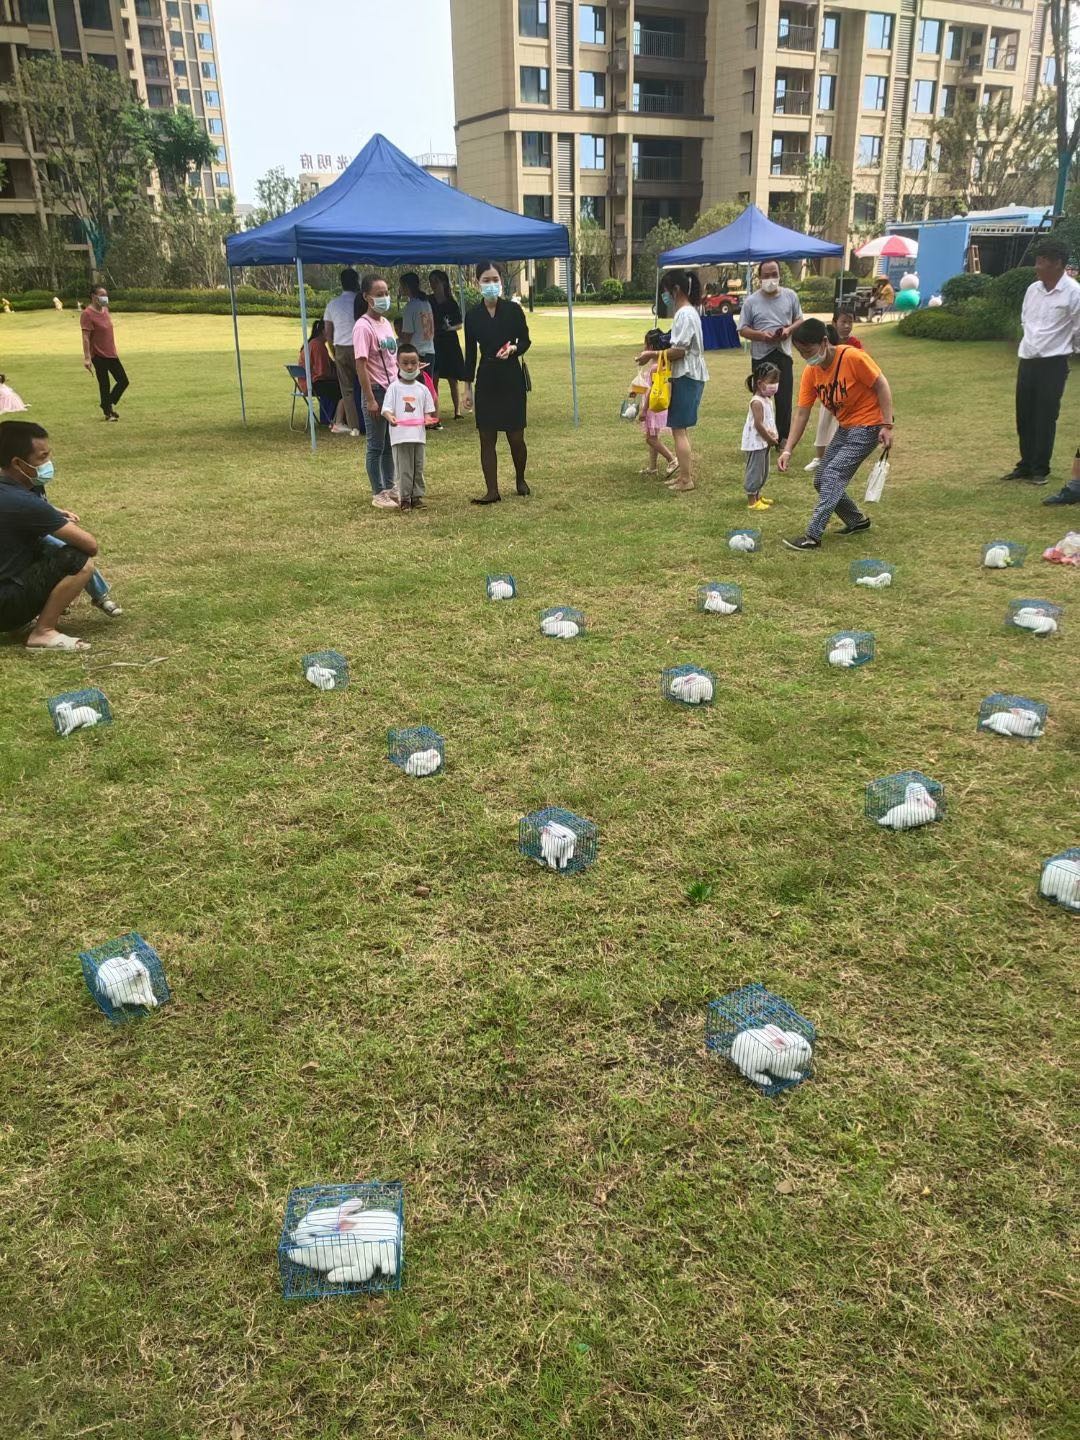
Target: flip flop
62, 642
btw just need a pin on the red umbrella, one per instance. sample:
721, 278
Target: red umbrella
893, 247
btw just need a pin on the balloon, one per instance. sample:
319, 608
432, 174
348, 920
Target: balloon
908, 300
909, 282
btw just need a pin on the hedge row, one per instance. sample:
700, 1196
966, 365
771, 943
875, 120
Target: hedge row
977, 307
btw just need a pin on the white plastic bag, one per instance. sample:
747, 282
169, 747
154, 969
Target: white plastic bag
878, 475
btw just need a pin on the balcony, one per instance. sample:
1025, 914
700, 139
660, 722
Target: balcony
1001, 60
659, 167
796, 37
788, 162
660, 103
660, 44
792, 102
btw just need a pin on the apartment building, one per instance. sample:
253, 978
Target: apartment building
639, 109
439, 165
168, 49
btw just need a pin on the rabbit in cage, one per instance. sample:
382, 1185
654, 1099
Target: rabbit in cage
348, 1242
998, 557
423, 762
321, 676
1018, 720
1061, 881
1037, 621
745, 543
717, 605
844, 653
875, 582
70, 717
125, 980
556, 626
767, 1053
500, 590
918, 807
692, 689
557, 845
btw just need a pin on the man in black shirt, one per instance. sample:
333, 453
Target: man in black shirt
37, 581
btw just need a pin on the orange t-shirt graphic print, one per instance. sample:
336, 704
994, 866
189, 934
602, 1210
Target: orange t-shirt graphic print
846, 388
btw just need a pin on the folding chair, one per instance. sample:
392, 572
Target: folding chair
297, 373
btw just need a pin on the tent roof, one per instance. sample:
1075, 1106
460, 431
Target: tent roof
753, 236
386, 210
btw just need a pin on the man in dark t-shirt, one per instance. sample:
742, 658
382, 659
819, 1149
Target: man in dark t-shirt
37, 581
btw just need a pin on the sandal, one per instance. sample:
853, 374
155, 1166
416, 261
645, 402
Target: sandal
62, 642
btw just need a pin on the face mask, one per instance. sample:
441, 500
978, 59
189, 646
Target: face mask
666, 298
769, 389
409, 374
491, 289
770, 286
818, 359
382, 303
103, 299
46, 471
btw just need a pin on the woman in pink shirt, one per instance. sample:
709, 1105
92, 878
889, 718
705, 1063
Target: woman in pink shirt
375, 348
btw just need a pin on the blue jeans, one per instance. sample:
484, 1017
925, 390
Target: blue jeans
98, 588
379, 459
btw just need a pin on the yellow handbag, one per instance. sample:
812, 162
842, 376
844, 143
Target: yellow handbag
660, 393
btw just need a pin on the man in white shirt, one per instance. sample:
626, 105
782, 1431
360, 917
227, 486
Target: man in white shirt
338, 320
1051, 324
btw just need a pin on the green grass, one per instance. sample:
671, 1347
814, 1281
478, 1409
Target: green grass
609, 1235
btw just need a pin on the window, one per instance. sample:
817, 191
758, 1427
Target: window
154, 68
865, 210
215, 127
875, 89
929, 37
1049, 71
592, 25
202, 12
172, 9
826, 92
822, 146
533, 18
151, 36
830, 32
922, 97
947, 100
221, 179
212, 99
209, 70
95, 14
879, 31
591, 89
593, 152
954, 42
183, 97
916, 154
205, 39
176, 40
107, 62
536, 207
158, 96
594, 207
221, 156
869, 152
536, 149
534, 85
179, 67
912, 208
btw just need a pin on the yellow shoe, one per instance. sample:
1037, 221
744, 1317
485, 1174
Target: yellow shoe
759, 505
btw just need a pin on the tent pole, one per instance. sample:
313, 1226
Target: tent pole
236, 340
656, 298
461, 289
573, 353
307, 351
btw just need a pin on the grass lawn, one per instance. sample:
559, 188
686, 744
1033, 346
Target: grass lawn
609, 1234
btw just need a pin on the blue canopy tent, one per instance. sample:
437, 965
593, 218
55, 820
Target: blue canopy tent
387, 210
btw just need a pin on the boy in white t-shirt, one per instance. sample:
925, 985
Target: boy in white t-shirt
406, 406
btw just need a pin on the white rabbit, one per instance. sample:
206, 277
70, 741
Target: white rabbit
716, 603
423, 762
875, 582
1028, 618
1017, 721
692, 689
75, 717
997, 557
557, 845
844, 653
558, 627
918, 807
500, 590
125, 980
742, 542
1061, 881
347, 1242
768, 1053
321, 677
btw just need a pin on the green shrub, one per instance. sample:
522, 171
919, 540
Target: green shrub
964, 287
975, 319
1007, 291
611, 291
553, 295
816, 292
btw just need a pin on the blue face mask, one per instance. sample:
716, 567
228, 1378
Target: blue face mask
666, 298
491, 289
46, 471
382, 303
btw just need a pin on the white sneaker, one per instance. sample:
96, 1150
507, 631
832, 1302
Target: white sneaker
340, 430
354, 433
108, 607
812, 466
385, 500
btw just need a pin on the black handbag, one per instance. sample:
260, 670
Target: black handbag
527, 378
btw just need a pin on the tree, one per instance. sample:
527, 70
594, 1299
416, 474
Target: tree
179, 146
592, 250
1067, 131
277, 194
824, 197
715, 218
988, 156
665, 235
85, 121
196, 242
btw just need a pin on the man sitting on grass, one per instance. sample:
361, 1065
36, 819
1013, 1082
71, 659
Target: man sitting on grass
37, 581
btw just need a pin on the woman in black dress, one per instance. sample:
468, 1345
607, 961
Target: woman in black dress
449, 361
497, 328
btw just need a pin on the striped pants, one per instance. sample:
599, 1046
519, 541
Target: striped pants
846, 452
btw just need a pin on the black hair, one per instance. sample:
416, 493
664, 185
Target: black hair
1053, 250
442, 277
98, 285
407, 349
685, 280
361, 300
317, 329
654, 340
17, 439
763, 263
811, 332
848, 310
349, 279
760, 370
487, 265
411, 281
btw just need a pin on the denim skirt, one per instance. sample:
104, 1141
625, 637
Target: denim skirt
685, 399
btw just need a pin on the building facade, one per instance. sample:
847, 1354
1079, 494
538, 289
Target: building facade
168, 49
639, 109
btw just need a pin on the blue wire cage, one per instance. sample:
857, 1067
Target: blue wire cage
496, 587
691, 685
1034, 617
905, 801
325, 669
848, 649
739, 548
762, 1037
123, 976
558, 622
327, 1247
1012, 560
72, 701
1059, 880
1013, 715
868, 574
559, 840
716, 597
418, 750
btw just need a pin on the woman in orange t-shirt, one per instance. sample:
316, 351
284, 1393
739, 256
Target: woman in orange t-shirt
851, 387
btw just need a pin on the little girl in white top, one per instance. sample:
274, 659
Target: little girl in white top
759, 433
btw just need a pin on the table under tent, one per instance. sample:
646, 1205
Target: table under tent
386, 210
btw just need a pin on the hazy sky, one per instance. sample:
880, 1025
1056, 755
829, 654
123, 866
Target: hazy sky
320, 76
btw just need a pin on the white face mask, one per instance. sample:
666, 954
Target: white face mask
818, 359
770, 286
409, 374
102, 299
382, 303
